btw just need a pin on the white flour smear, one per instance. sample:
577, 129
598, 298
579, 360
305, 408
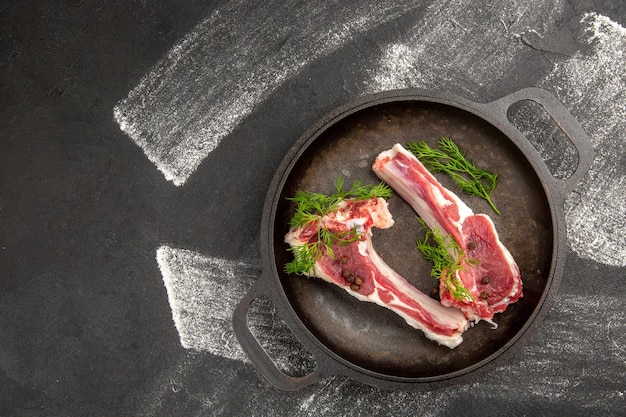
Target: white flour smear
203, 292
226, 66
448, 47
593, 86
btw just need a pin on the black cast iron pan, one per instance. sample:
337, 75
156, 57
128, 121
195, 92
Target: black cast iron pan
366, 342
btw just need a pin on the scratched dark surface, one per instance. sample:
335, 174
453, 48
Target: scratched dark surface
86, 328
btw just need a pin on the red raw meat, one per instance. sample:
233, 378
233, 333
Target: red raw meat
495, 282
357, 268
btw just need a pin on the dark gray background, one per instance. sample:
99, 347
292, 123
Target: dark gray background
86, 328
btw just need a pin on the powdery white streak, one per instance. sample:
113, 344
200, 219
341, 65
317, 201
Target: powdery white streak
449, 46
213, 79
593, 86
203, 292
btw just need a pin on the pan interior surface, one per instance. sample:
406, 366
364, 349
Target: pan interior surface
372, 337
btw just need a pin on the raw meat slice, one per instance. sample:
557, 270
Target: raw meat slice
495, 282
357, 268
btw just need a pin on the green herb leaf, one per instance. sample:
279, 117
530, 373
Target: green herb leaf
447, 257
450, 159
311, 209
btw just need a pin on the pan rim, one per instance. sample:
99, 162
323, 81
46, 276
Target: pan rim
550, 189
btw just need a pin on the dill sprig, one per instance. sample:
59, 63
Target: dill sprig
447, 258
310, 211
449, 159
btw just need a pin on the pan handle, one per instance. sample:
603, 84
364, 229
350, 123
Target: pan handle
258, 356
563, 118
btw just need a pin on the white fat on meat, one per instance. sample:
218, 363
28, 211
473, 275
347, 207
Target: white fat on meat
381, 284
440, 208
